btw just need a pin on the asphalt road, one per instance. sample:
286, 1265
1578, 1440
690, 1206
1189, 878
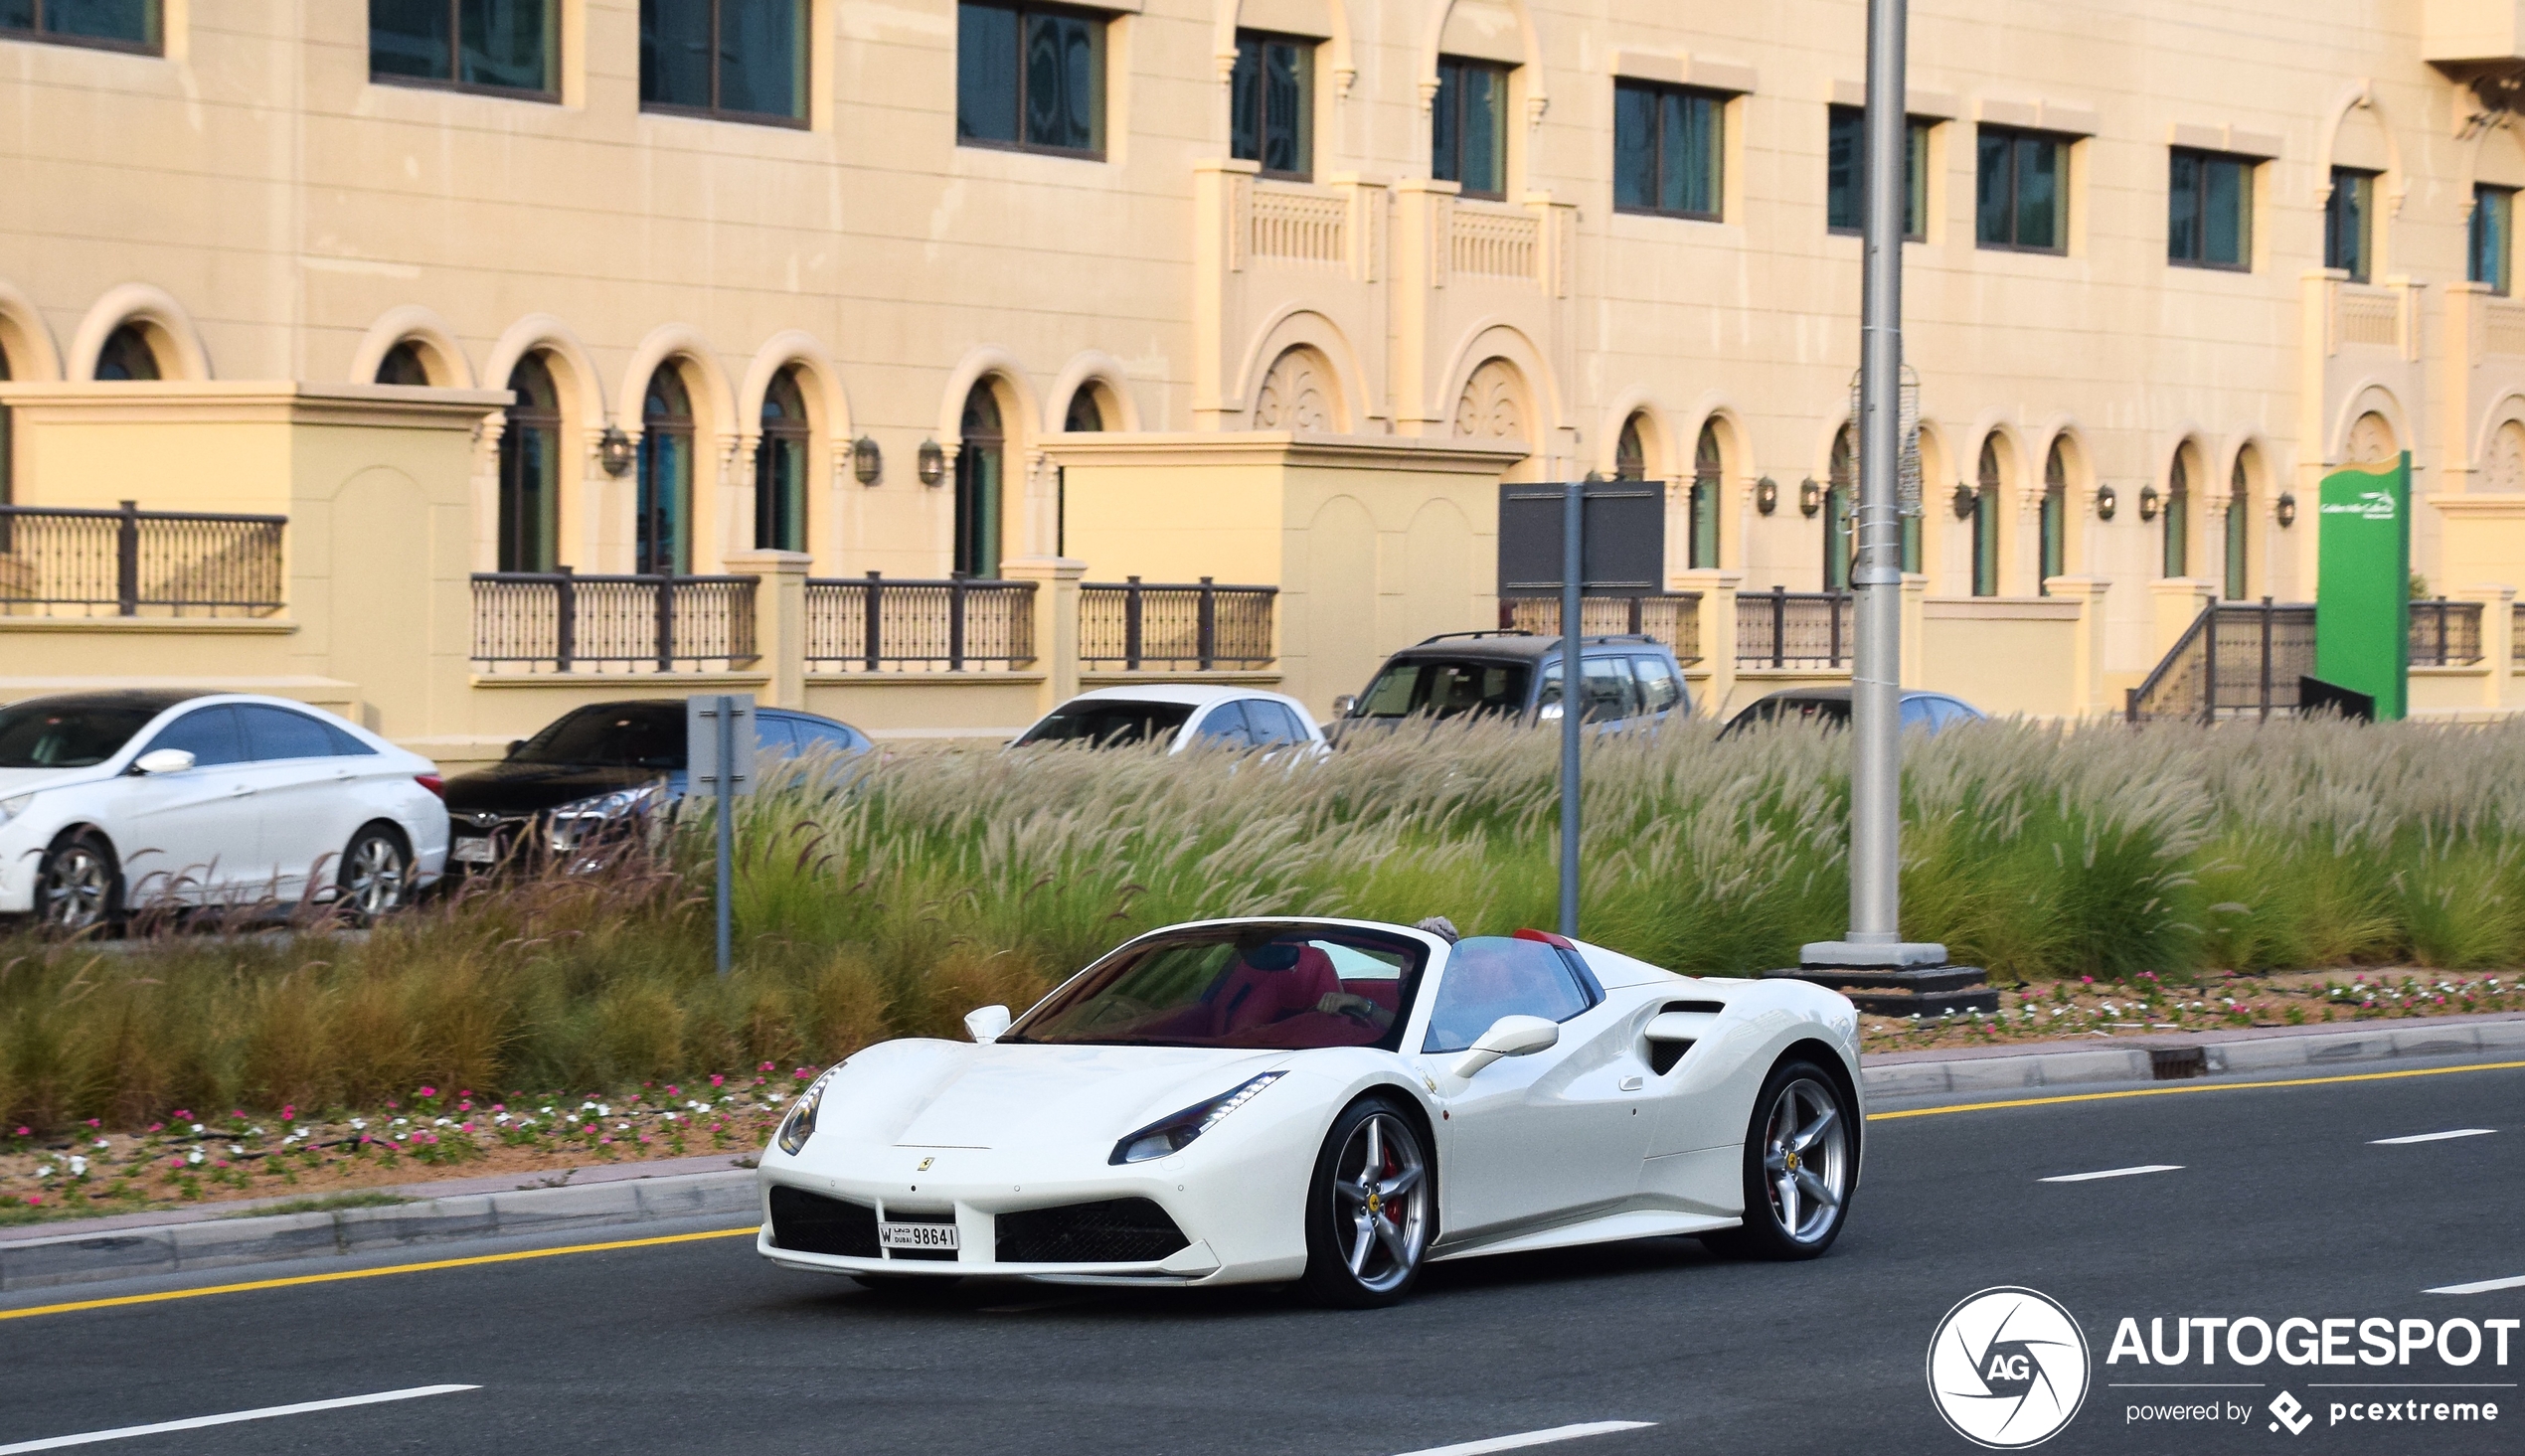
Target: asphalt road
2282, 1204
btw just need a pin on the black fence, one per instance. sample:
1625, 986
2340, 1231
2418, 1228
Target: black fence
130, 561
1672, 617
562, 620
1136, 625
1779, 628
2237, 659
2446, 633
877, 625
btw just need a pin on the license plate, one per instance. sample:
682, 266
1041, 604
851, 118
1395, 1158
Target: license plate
474, 851
916, 1236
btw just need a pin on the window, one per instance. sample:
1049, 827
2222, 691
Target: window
2493, 235
1659, 692
1030, 77
1707, 467
2209, 210
1468, 126
1845, 172
2054, 522
1631, 453
1492, 976
977, 483
780, 467
1611, 691
1840, 529
1985, 522
1084, 416
210, 734
2022, 202
530, 470
1272, 106
2240, 520
278, 732
1445, 690
8, 490
745, 59
2349, 223
504, 46
403, 365
115, 25
1666, 150
126, 355
2178, 517
662, 529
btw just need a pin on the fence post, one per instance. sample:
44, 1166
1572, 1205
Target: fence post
1780, 626
875, 593
128, 560
2209, 663
955, 621
2266, 659
1131, 625
565, 617
665, 623
2441, 630
1832, 604
1209, 648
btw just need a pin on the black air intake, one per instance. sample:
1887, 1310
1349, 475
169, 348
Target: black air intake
811, 1223
1113, 1232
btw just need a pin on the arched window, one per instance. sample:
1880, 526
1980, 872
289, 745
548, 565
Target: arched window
8, 488
662, 534
2240, 519
403, 365
1985, 521
780, 467
530, 468
1708, 466
1841, 483
977, 484
1631, 453
1085, 416
2055, 520
127, 354
2372, 441
2178, 514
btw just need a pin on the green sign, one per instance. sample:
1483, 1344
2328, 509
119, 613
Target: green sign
2362, 597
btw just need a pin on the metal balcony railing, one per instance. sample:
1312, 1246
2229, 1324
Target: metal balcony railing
2237, 658
1782, 628
62, 561
563, 621
1672, 617
880, 625
2446, 633
1175, 628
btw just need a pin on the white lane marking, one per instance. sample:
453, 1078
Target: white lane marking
2432, 1137
2483, 1288
2114, 1173
1530, 1438
119, 1433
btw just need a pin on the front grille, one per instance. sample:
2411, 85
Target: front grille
810, 1223
1112, 1232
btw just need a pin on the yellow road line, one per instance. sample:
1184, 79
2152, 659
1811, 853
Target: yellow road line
2303, 1081
508, 1258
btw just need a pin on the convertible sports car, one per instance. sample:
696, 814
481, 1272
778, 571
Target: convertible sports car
1336, 1102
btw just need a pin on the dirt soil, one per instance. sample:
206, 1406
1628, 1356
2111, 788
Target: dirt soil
2091, 1008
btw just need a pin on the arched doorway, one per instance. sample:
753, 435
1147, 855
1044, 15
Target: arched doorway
2055, 517
780, 467
2240, 520
979, 466
530, 470
1631, 453
2178, 514
1709, 467
1841, 483
1985, 518
662, 536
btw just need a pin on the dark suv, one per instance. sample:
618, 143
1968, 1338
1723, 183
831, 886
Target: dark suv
1517, 676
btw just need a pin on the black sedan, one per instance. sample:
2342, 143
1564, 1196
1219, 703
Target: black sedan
1933, 713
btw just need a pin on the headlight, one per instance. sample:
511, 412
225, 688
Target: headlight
12, 808
579, 816
1171, 1135
801, 1124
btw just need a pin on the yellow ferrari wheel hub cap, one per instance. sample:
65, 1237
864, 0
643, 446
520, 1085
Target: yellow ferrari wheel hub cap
1376, 1203
1792, 1162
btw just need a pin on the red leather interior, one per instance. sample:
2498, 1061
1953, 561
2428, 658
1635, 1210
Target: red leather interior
1250, 997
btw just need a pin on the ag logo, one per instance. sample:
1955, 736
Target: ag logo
2008, 1367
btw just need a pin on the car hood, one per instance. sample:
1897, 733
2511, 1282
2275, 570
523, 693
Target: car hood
952, 1095
524, 788
14, 782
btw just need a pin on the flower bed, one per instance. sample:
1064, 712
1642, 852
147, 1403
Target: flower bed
2148, 1003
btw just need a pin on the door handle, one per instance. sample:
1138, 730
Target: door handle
1632, 1083
239, 790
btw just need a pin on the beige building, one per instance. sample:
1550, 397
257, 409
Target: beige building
1269, 291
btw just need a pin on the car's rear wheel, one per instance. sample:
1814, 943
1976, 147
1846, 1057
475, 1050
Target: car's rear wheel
376, 877
77, 885
1800, 1167
1370, 1207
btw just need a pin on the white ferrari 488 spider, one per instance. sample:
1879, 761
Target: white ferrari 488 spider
1336, 1102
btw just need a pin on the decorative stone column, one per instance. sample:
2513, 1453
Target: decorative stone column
1056, 581
779, 619
1717, 631
2086, 652
2498, 643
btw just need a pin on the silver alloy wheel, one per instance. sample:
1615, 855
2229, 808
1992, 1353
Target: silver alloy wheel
1805, 1160
374, 875
76, 888
1381, 1201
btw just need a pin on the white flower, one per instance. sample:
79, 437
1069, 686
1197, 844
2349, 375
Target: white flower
255, 1132
604, 1111
398, 1137
359, 1124
622, 1127
43, 1171
197, 1127
102, 1143
503, 1117
194, 1157
78, 1165
443, 1122
399, 1122
240, 1147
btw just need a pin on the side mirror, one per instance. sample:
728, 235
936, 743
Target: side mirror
1345, 705
514, 745
985, 1024
162, 760
1511, 1035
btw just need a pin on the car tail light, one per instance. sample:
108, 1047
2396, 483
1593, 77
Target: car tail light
432, 783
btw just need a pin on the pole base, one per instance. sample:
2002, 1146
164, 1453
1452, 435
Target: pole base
1910, 978
1851, 956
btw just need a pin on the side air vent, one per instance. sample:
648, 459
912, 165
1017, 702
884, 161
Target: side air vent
1663, 1056
811, 1223
1112, 1232
1675, 1028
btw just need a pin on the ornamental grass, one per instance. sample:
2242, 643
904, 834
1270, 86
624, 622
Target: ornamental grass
888, 897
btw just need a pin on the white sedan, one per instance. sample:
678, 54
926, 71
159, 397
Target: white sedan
115, 800
1334, 1102
1183, 717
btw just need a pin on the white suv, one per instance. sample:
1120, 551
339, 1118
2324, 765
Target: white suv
115, 800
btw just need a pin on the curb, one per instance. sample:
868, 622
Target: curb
187, 1247
2168, 1058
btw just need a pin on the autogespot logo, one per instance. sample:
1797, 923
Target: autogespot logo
2007, 1367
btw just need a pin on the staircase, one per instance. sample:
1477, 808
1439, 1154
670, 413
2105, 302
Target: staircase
2238, 659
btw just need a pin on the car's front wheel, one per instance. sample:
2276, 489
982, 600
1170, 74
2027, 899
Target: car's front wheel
1802, 1164
1370, 1207
77, 885
375, 876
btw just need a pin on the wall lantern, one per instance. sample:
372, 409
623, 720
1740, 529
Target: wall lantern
866, 460
1765, 495
2284, 510
614, 451
1809, 497
2106, 501
2148, 503
1964, 501
932, 462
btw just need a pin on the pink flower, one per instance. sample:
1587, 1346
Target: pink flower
804, 1074
180, 1115
35, 1200
468, 1127
716, 1079
499, 1107
673, 1091
592, 1127
28, 1132
429, 1091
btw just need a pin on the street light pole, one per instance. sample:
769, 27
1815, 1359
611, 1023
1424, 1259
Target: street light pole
1573, 605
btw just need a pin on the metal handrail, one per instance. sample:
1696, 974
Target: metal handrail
1837, 610
879, 624
566, 619
1670, 617
130, 559
1187, 628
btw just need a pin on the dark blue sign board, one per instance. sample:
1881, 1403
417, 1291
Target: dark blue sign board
1624, 540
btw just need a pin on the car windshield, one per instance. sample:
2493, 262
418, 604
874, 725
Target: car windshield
1254, 986
1446, 689
1829, 712
59, 734
1108, 723
616, 736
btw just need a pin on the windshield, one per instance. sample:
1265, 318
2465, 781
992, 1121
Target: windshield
1266, 987
58, 734
620, 735
1446, 689
1108, 723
